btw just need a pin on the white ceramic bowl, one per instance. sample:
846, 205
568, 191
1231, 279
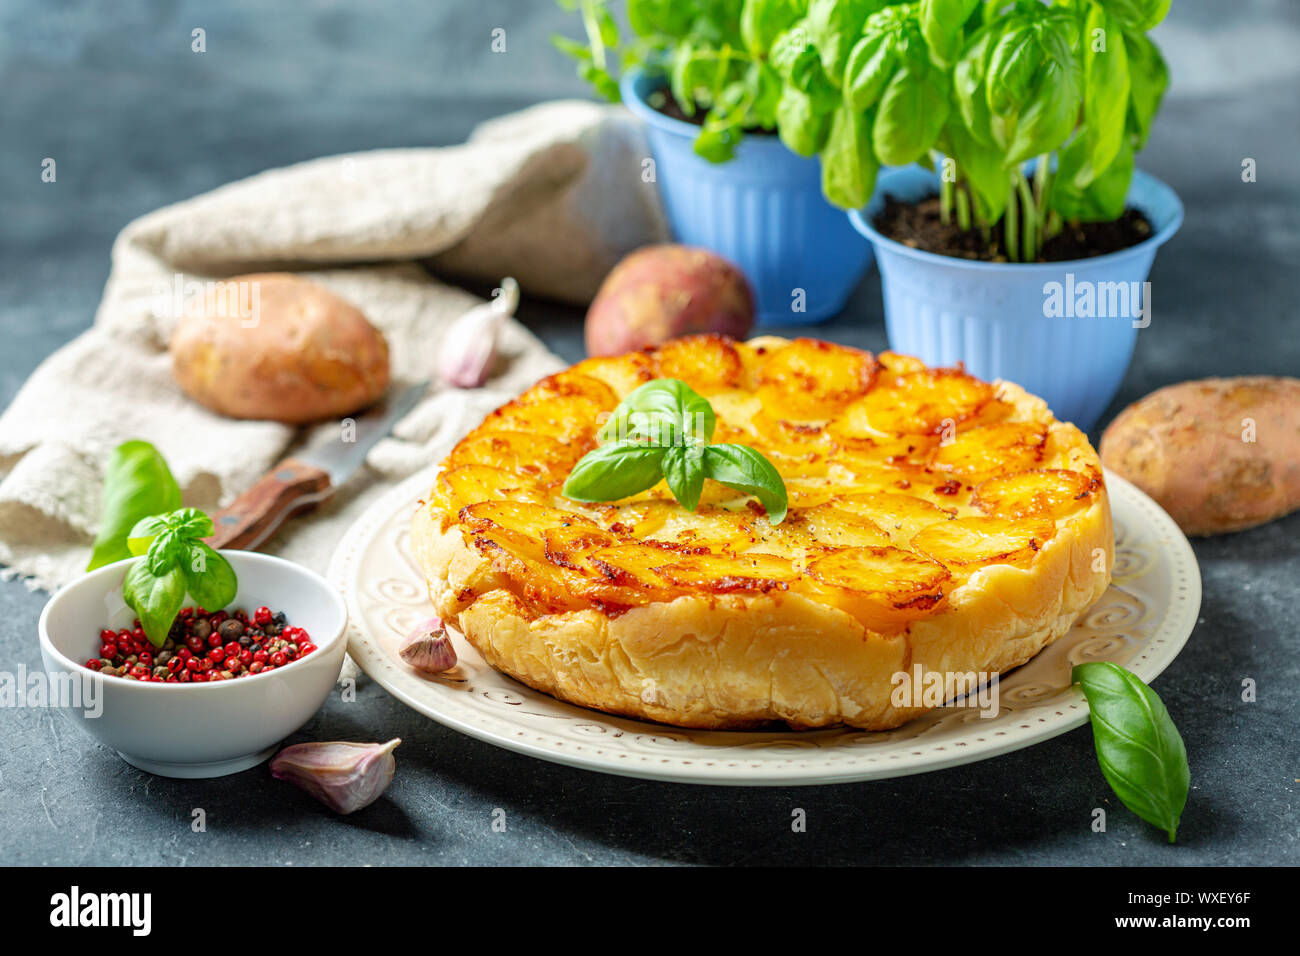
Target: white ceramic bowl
194, 730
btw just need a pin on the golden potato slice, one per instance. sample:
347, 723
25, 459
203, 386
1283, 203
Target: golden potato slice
895, 363
621, 373
470, 484
965, 542
809, 379
899, 516
720, 573
519, 525
1049, 493
990, 450
835, 526
571, 384
883, 587
571, 546
927, 401
566, 418
707, 363
535, 456
628, 574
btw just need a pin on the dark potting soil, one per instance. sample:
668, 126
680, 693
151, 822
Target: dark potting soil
919, 226
663, 101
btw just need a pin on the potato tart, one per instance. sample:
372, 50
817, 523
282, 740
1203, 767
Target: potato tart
934, 520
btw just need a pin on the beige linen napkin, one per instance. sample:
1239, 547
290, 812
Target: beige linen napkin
551, 195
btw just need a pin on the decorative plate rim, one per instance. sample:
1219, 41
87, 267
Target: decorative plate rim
678, 755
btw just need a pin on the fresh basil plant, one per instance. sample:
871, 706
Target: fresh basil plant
663, 429
974, 87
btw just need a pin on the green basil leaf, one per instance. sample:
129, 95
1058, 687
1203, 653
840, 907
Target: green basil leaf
165, 551
871, 64
1046, 119
137, 483
912, 112
141, 536
800, 125
662, 412
941, 23
1013, 64
683, 470
969, 84
849, 166
155, 599
615, 470
762, 21
666, 18
209, 578
1105, 90
1138, 14
743, 468
1148, 79
834, 26
1103, 199
1141, 753
190, 523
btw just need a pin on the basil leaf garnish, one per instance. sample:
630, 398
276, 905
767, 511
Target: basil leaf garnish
743, 468
662, 429
137, 483
662, 412
684, 474
208, 576
1140, 751
615, 470
155, 598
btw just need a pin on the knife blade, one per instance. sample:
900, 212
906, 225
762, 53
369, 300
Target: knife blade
308, 477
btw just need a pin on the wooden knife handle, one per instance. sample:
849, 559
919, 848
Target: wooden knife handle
251, 518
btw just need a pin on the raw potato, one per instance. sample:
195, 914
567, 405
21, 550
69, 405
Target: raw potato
1189, 447
664, 291
307, 355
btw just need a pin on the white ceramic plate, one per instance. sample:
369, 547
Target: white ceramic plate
1141, 622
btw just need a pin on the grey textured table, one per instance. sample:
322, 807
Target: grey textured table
135, 120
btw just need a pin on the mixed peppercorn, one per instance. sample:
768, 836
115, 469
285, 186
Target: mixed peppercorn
203, 647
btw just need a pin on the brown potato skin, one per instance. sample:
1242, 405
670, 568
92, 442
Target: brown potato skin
310, 356
1183, 445
665, 291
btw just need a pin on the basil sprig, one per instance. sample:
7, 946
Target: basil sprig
1140, 751
137, 483
663, 430
175, 560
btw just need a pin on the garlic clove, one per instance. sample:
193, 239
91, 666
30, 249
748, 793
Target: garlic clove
343, 776
428, 648
469, 348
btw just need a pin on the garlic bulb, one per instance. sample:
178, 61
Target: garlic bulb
470, 346
343, 776
428, 647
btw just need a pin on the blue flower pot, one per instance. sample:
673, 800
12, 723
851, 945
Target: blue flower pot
1024, 322
763, 210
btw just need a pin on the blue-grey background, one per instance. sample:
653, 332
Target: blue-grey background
135, 120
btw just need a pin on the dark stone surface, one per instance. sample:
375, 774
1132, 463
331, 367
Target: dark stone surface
136, 121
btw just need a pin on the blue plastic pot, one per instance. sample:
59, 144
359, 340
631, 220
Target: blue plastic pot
763, 210
1004, 320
